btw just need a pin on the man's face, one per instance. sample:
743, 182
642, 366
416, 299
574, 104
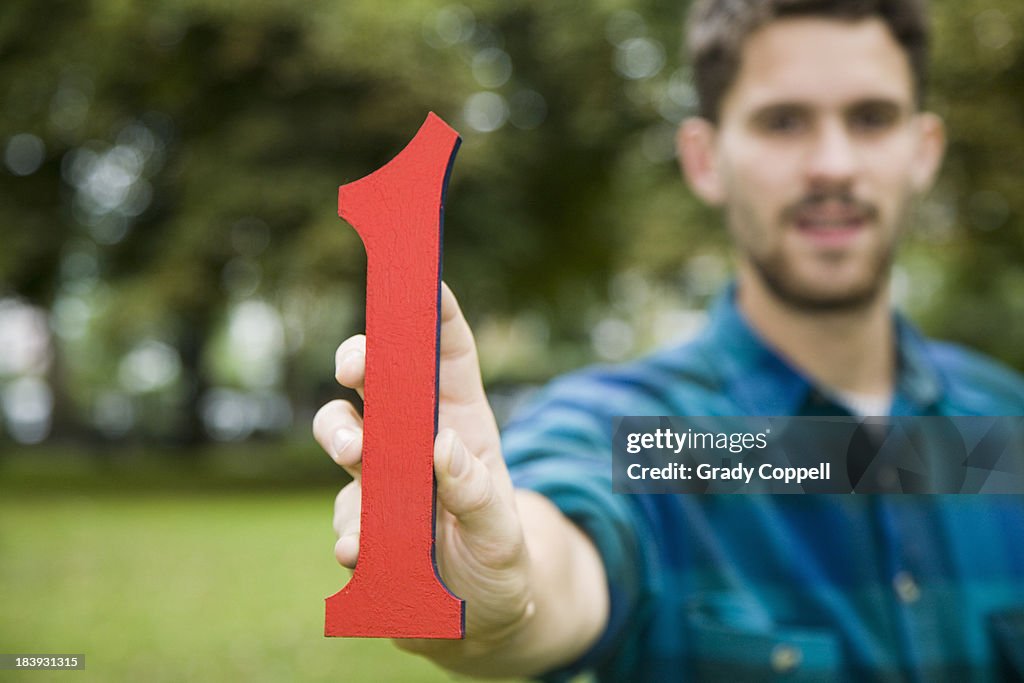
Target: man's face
817, 154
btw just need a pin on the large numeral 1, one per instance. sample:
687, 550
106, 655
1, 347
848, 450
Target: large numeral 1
395, 591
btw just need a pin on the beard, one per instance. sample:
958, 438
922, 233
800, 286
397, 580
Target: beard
782, 279
775, 274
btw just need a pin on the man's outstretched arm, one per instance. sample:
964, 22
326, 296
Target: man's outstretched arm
533, 583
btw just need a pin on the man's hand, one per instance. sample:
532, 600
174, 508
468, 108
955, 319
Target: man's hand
516, 561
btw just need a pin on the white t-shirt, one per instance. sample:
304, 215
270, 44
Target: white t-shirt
864, 405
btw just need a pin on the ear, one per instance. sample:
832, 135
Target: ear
931, 147
698, 160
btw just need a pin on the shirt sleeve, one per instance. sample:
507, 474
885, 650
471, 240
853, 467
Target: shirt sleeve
560, 447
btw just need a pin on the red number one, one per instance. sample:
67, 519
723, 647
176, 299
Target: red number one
395, 591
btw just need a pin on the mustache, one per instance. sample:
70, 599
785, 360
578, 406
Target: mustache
817, 200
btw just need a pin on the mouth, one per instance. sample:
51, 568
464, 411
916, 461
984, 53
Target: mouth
831, 226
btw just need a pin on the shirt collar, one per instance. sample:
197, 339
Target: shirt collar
919, 385
762, 382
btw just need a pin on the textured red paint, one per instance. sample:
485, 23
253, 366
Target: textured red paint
397, 210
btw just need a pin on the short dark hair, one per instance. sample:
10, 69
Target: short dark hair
718, 29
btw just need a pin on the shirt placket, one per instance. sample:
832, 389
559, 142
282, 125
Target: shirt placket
902, 586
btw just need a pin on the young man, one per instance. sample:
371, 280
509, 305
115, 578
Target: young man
812, 140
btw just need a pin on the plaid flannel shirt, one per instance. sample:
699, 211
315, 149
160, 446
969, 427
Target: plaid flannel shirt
788, 588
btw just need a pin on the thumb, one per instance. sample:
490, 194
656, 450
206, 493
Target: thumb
467, 489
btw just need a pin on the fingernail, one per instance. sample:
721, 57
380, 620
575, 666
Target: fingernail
460, 458
342, 438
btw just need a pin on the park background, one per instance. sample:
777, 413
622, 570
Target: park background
174, 277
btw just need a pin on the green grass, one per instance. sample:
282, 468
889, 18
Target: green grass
181, 586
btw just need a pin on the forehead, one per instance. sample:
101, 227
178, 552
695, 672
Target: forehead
819, 62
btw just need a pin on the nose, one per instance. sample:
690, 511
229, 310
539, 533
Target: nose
832, 159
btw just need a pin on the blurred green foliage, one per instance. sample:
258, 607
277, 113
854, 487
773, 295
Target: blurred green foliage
166, 162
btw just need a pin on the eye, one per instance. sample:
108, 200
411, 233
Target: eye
782, 120
873, 117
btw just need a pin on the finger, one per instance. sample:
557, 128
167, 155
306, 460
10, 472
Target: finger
463, 403
466, 488
350, 363
422, 646
456, 336
338, 428
460, 381
347, 510
347, 507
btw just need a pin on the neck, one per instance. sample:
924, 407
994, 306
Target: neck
848, 350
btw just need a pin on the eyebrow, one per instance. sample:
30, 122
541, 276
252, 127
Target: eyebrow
882, 103
802, 108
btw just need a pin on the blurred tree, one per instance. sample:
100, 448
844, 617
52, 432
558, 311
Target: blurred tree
978, 79
166, 162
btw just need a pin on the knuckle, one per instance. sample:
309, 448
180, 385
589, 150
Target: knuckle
327, 414
318, 419
350, 526
346, 523
332, 415
347, 496
508, 555
343, 554
419, 646
355, 343
478, 500
501, 551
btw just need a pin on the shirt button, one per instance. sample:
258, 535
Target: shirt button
785, 658
906, 588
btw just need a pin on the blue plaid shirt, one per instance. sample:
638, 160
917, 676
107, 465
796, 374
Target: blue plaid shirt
793, 588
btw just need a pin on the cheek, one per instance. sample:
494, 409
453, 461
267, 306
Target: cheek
890, 168
891, 194
764, 175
